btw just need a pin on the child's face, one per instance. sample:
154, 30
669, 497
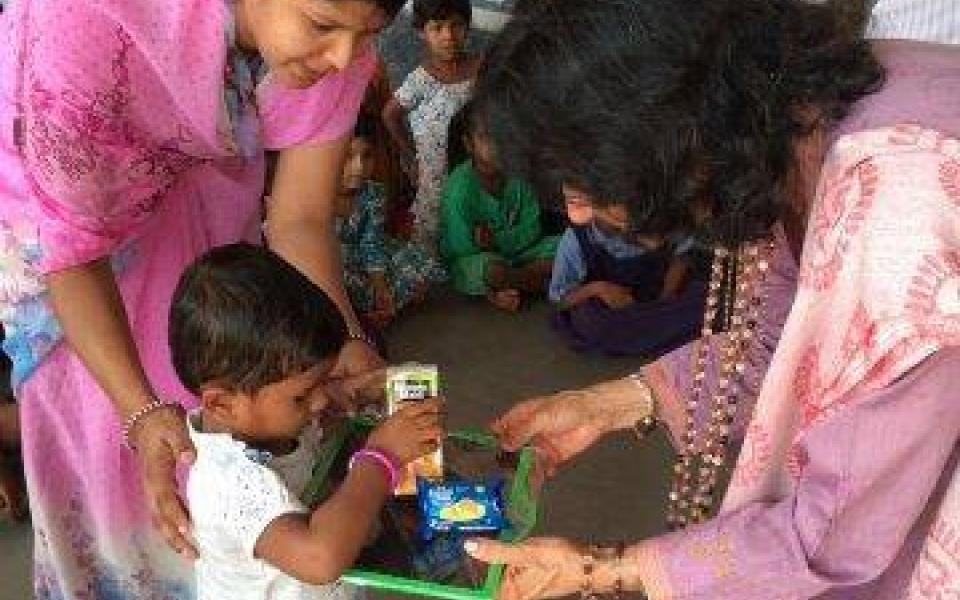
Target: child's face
279, 412
579, 207
358, 167
445, 38
303, 40
613, 219
483, 153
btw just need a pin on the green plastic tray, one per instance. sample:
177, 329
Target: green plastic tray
521, 506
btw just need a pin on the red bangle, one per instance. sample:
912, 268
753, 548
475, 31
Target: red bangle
380, 457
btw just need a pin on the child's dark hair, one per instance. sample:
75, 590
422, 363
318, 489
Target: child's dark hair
461, 126
439, 10
391, 7
366, 127
244, 318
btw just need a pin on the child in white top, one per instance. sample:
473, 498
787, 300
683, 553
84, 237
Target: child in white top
427, 100
256, 341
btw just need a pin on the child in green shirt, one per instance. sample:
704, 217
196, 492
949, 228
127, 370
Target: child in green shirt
490, 233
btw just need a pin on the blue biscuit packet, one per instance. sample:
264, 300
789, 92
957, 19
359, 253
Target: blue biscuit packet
463, 506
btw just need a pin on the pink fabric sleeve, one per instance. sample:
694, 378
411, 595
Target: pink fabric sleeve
865, 478
324, 112
99, 149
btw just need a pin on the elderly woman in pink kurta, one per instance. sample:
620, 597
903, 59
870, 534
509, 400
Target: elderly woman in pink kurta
831, 347
131, 141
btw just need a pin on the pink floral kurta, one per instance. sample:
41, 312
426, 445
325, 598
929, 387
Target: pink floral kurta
128, 130
846, 484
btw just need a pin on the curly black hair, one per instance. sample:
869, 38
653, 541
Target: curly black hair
438, 10
660, 104
243, 318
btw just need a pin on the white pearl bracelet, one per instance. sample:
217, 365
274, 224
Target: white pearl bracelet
138, 416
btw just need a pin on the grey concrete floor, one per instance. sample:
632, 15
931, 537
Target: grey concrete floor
489, 360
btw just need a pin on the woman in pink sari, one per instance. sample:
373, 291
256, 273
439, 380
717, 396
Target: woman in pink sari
131, 141
831, 169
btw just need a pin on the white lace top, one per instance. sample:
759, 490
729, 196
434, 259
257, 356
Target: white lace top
234, 492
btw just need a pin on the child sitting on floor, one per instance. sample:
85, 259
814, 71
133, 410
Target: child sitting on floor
255, 340
490, 232
429, 97
382, 275
618, 294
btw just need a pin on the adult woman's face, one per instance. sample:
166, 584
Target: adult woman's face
304, 40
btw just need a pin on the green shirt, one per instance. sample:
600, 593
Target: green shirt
513, 217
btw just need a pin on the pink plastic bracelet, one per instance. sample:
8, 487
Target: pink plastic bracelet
383, 459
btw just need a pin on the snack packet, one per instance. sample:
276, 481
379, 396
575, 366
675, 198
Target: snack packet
461, 506
414, 383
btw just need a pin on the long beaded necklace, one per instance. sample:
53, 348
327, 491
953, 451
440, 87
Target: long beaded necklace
739, 275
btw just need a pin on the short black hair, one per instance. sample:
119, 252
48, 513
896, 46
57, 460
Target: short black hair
663, 104
365, 127
391, 7
462, 125
438, 10
243, 318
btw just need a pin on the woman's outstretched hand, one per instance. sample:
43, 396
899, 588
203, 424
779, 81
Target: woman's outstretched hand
565, 424
559, 426
536, 568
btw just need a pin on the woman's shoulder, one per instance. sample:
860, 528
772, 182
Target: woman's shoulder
902, 160
894, 191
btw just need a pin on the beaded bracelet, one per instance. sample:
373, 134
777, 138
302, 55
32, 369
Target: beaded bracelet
591, 557
618, 567
134, 419
589, 565
360, 335
380, 457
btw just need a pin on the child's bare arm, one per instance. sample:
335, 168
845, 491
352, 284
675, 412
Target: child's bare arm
318, 548
675, 279
395, 120
578, 296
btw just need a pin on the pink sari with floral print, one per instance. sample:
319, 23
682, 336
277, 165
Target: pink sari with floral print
846, 485
128, 130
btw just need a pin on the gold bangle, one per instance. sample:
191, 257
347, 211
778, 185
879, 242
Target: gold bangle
618, 568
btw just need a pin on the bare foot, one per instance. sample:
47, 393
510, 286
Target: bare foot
508, 300
13, 502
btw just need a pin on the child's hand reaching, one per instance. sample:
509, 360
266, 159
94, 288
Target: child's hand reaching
613, 295
412, 432
483, 237
384, 305
385, 309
